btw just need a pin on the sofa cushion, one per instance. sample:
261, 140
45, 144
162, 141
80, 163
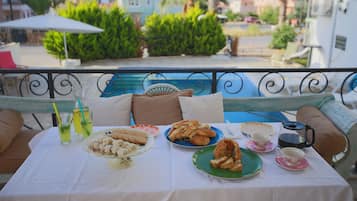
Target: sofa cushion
206, 109
12, 158
158, 110
112, 111
329, 140
11, 123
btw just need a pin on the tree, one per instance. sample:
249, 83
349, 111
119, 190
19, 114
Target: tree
270, 15
282, 11
41, 7
282, 35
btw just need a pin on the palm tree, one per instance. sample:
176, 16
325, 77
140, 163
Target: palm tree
282, 11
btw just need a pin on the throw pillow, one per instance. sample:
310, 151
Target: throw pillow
11, 123
111, 111
206, 109
158, 110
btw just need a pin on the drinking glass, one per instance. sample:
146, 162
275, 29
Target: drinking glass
87, 127
64, 130
77, 118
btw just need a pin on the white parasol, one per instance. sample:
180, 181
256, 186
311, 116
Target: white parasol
51, 21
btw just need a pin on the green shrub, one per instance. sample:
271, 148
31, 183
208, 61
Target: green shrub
302, 61
175, 34
232, 16
282, 35
270, 15
120, 38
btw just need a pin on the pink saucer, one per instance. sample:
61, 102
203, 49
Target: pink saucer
302, 164
268, 147
150, 129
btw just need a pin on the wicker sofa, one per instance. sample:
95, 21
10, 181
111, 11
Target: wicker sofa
14, 136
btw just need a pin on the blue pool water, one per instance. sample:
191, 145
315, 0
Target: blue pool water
228, 84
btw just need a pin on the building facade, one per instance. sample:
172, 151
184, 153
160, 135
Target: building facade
331, 33
140, 9
242, 6
19, 10
290, 5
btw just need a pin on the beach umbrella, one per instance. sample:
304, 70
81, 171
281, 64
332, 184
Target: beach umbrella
51, 21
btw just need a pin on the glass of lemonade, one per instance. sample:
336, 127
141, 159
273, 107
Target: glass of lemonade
77, 118
64, 130
83, 128
87, 128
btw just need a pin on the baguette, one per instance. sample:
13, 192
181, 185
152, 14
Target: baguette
130, 135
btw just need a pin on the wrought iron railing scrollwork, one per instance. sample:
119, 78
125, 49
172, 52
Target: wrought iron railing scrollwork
317, 82
228, 85
201, 88
273, 82
34, 84
68, 82
103, 81
232, 81
348, 89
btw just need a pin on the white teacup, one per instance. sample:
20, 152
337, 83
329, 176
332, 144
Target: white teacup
261, 139
292, 154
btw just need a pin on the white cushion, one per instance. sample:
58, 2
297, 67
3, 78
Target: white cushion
206, 109
111, 111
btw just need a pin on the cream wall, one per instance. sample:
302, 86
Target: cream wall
323, 32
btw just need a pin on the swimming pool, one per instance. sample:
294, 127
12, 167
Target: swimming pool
230, 85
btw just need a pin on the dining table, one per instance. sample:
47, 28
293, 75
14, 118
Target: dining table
164, 172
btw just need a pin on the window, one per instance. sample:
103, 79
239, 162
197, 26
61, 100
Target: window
133, 2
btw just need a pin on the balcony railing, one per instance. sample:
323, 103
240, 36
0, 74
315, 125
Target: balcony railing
230, 81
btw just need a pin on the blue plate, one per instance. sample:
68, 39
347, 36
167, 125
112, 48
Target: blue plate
187, 144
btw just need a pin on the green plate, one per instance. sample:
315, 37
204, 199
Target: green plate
252, 164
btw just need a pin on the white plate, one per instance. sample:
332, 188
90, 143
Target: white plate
100, 134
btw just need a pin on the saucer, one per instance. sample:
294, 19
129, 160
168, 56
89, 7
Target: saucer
268, 147
300, 165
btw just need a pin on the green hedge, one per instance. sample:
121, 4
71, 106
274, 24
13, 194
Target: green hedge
176, 34
270, 15
282, 35
120, 38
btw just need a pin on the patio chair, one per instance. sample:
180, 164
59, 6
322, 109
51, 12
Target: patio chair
10, 80
160, 89
6, 60
291, 51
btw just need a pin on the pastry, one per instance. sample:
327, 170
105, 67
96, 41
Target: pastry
227, 156
199, 140
111, 147
193, 131
206, 132
129, 135
217, 162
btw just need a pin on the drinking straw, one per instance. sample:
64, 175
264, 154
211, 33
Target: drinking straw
81, 109
57, 114
83, 116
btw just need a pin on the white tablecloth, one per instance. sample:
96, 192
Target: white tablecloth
67, 172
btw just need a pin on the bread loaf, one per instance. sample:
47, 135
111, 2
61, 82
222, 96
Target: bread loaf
130, 135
